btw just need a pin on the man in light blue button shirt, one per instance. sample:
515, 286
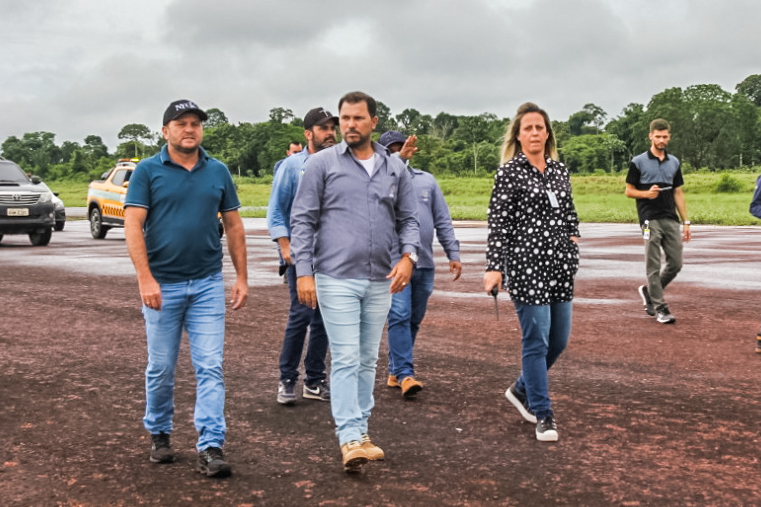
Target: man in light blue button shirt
320, 132
353, 200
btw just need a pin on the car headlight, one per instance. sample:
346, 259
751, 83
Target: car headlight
46, 197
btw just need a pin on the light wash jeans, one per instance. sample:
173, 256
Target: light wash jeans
407, 312
545, 330
354, 312
198, 307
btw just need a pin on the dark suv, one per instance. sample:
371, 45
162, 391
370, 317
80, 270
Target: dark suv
26, 205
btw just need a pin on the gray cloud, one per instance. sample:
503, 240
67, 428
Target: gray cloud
90, 67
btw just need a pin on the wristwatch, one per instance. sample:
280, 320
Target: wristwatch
412, 256
687, 222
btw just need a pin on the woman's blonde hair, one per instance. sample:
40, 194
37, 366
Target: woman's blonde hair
511, 146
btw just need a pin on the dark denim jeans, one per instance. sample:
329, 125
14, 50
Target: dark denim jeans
407, 312
545, 329
301, 318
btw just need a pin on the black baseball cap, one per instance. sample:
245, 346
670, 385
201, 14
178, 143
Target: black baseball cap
318, 116
180, 107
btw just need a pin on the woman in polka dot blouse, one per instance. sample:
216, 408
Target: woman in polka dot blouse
533, 252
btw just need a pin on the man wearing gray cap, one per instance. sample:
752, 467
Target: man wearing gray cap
172, 235
320, 133
408, 306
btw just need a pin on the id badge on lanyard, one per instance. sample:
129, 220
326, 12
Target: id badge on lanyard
553, 199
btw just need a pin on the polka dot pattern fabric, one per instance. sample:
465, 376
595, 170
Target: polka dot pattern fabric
529, 237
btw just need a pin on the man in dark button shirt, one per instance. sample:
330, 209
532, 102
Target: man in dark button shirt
293, 148
408, 307
655, 181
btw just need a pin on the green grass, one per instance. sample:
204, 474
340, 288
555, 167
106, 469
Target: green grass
598, 198
72, 193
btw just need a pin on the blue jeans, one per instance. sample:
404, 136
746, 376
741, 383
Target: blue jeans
354, 312
404, 318
545, 330
301, 318
198, 307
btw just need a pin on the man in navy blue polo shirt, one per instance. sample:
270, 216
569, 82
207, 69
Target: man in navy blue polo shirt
655, 181
352, 201
173, 240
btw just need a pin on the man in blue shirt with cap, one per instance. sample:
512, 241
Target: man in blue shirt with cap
172, 235
320, 132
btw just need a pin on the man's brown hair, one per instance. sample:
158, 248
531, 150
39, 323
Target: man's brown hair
659, 124
356, 98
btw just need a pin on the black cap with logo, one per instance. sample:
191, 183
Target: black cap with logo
318, 116
180, 107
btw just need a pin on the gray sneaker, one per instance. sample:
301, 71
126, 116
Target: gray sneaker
520, 401
664, 315
645, 295
319, 391
286, 392
547, 430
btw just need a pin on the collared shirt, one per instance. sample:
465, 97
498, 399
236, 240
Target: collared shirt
284, 187
530, 233
647, 170
344, 222
433, 214
181, 229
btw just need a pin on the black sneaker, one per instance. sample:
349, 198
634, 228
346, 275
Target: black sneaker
286, 392
520, 402
211, 463
161, 450
547, 430
645, 295
664, 315
319, 391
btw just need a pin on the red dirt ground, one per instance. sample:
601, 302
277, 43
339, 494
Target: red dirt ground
648, 414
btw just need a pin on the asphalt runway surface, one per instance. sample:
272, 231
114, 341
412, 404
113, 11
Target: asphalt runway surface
648, 414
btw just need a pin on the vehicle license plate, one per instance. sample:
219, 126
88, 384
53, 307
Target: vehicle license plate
18, 212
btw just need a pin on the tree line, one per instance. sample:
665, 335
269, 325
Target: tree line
711, 129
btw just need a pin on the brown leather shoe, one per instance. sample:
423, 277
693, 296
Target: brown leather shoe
374, 453
392, 382
354, 456
410, 387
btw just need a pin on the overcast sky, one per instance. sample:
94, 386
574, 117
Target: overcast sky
81, 67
